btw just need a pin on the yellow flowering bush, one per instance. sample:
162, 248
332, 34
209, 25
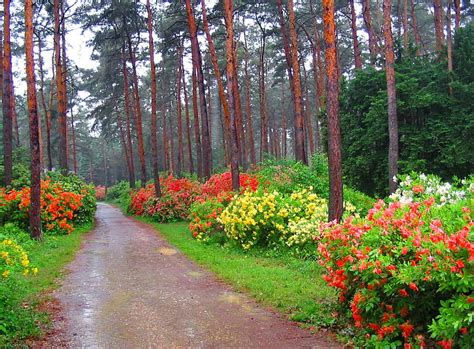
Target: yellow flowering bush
13, 259
264, 218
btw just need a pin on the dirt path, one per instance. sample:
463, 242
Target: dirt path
128, 288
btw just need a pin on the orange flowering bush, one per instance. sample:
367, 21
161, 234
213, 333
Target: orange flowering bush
58, 207
406, 273
100, 193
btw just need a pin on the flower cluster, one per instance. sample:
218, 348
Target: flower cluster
204, 219
419, 187
58, 207
263, 218
13, 259
220, 186
100, 193
404, 271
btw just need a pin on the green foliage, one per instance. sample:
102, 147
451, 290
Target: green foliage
204, 220
433, 124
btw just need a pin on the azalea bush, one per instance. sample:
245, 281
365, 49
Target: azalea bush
262, 218
100, 193
204, 216
405, 273
220, 186
174, 204
58, 207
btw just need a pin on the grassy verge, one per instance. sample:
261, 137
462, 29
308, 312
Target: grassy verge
50, 256
291, 285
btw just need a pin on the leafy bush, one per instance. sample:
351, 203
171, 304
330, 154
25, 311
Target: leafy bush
117, 191
405, 271
204, 219
262, 218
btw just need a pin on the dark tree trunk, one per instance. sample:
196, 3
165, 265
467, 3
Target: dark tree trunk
234, 164
418, 42
355, 40
6, 97
283, 123
166, 154
197, 63
438, 22
449, 38
74, 151
238, 111
334, 131
154, 117
263, 101
370, 31
123, 139
457, 16
197, 134
179, 164
35, 193
126, 95
392, 97
188, 123
248, 106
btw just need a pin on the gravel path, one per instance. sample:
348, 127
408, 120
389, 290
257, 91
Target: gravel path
128, 288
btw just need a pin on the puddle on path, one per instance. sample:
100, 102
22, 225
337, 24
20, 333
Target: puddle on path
166, 251
195, 274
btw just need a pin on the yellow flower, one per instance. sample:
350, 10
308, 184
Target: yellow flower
6, 274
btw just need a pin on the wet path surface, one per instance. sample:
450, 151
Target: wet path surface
128, 288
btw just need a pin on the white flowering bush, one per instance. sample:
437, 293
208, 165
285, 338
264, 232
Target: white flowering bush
417, 187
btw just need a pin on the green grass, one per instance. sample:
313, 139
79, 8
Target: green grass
50, 255
276, 279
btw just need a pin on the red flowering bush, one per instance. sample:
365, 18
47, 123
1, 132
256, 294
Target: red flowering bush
174, 204
58, 207
406, 272
100, 193
220, 186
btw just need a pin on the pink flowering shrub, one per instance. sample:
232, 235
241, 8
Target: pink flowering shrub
405, 273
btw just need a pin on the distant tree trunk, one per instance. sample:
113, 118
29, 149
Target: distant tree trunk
239, 120
234, 164
138, 111
438, 21
457, 16
334, 131
123, 139
166, 154
14, 114
248, 106
74, 151
418, 42
65, 70
154, 117
7, 97
370, 31
197, 135
405, 25
284, 145
308, 121
355, 40
300, 153
392, 98
449, 38
263, 101
171, 141
179, 164
197, 63
128, 121
188, 123
35, 193
45, 110
217, 73
61, 93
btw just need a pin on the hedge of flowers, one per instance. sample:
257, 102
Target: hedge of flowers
406, 270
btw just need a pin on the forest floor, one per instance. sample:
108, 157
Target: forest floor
129, 288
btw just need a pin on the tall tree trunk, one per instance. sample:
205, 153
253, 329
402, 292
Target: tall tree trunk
300, 153
438, 22
45, 110
248, 106
217, 73
16, 129
154, 117
188, 123
334, 130
138, 111
166, 154
74, 151
127, 108
179, 164
197, 134
308, 121
355, 40
239, 120
61, 93
35, 193
370, 31
7, 97
263, 101
65, 70
171, 141
197, 62
392, 97
123, 139
418, 42
234, 164
405, 25
457, 16
283, 123
449, 37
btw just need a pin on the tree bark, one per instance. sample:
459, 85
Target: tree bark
154, 117
438, 22
238, 110
138, 111
449, 38
308, 121
405, 25
188, 123
334, 131
234, 164
126, 96
166, 154
65, 71
179, 164
370, 31
35, 193
263, 101
197, 134
283, 123
457, 16
6, 97
61, 93
392, 97
418, 42
45, 109
197, 62
123, 139
74, 151
355, 40
300, 153
248, 106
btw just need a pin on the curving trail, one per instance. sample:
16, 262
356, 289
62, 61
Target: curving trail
128, 288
